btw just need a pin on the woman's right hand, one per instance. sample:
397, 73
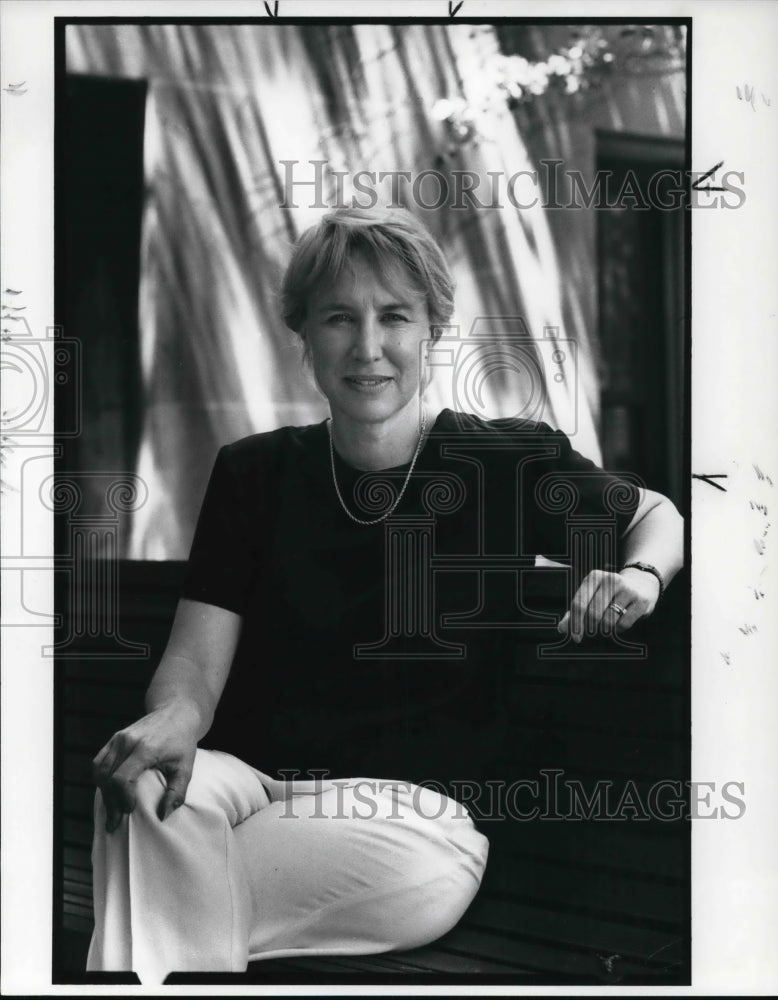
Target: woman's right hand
165, 739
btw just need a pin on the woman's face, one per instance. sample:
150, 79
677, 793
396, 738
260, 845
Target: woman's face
365, 334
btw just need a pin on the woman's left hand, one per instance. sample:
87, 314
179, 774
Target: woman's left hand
595, 607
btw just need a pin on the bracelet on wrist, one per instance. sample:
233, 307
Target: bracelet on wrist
648, 568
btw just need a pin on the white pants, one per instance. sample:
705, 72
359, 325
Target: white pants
250, 867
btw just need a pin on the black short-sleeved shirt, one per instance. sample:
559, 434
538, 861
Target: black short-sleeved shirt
349, 660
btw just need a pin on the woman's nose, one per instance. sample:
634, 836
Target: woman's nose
368, 340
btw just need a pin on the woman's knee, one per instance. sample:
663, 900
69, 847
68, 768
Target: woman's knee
444, 859
219, 783
434, 908
444, 825
441, 876
395, 869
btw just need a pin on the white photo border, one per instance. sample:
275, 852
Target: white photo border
734, 416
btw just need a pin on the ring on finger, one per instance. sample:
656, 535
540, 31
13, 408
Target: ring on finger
613, 606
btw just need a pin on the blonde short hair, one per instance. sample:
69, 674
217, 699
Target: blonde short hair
388, 238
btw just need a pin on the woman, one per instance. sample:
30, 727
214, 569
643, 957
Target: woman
323, 631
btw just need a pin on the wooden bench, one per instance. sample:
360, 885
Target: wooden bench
563, 901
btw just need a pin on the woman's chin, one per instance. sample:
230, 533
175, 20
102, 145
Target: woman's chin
370, 407
367, 413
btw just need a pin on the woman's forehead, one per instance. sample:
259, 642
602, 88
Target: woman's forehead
363, 280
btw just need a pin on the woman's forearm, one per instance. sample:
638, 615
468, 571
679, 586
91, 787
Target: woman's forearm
655, 536
179, 683
193, 671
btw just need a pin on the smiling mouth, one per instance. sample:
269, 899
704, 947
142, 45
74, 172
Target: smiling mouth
367, 381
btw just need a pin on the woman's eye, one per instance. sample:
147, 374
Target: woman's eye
395, 318
339, 318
